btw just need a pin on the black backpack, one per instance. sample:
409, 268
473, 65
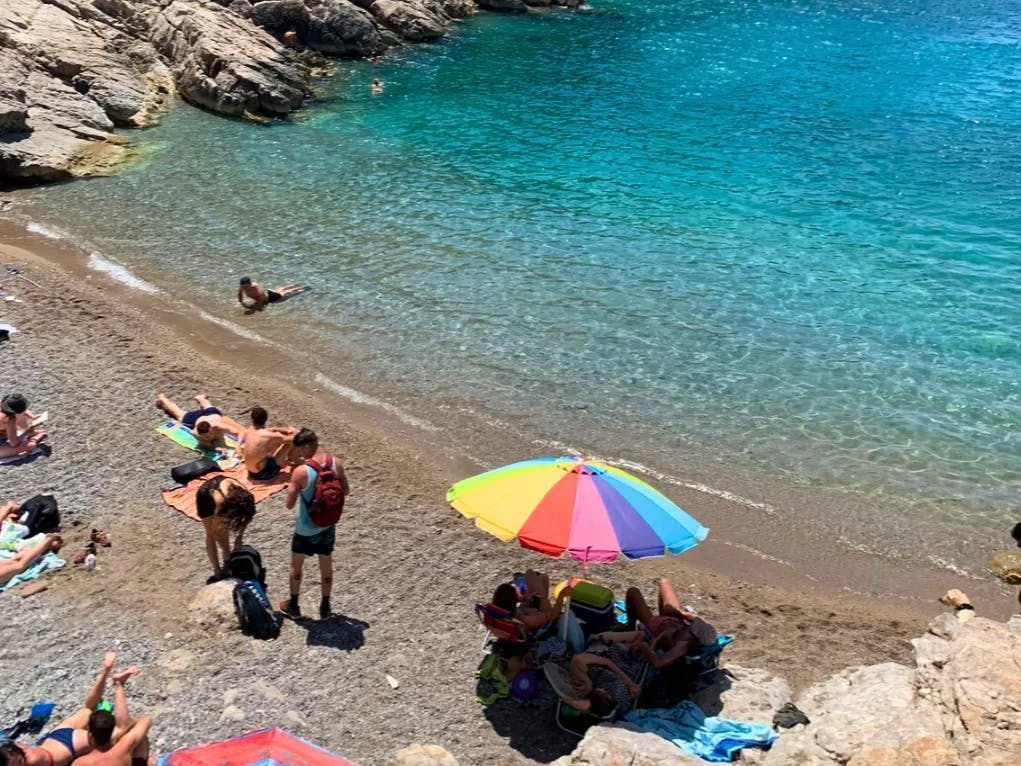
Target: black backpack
39, 514
255, 614
246, 564
182, 474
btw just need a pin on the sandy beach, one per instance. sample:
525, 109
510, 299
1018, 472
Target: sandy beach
93, 353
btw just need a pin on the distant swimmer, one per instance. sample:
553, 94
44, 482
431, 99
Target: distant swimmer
260, 296
377, 86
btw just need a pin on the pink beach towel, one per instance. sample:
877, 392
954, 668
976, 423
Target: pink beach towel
183, 498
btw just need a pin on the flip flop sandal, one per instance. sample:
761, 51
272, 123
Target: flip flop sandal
80, 558
101, 537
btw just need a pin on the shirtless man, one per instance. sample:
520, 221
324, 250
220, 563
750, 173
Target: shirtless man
261, 296
132, 749
265, 449
208, 425
74, 736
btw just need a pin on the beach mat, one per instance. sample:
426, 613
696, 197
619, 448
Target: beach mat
183, 498
43, 450
181, 435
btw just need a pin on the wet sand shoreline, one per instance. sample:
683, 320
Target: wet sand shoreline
94, 352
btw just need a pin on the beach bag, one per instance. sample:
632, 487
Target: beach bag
246, 564
328, 501
39, 514
182, 474
255, 615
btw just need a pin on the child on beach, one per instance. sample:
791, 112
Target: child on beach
17, 434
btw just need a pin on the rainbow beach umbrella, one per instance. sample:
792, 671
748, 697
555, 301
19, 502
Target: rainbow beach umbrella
593, 511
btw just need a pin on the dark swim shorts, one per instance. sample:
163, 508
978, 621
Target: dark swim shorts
273, 296
269, 471
190, 417
319, 544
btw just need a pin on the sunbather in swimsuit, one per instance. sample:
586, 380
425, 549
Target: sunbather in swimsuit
269, 471
64, 737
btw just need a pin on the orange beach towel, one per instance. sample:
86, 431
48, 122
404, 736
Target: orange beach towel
183, 498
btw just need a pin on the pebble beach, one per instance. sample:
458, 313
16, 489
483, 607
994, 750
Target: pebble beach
396, 665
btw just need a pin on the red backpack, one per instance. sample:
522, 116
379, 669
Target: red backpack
328, 500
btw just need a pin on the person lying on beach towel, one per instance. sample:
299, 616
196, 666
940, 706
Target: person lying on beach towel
26, 558
224, 505
260, 296
86, 730
208, 425
19, 433
265, 449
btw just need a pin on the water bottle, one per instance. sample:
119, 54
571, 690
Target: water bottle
90, 561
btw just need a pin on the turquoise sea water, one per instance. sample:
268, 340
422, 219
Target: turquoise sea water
787, 234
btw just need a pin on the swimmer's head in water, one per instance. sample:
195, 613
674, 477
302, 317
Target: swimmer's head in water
246, 281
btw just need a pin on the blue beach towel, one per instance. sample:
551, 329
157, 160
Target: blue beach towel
11, 535
708, 737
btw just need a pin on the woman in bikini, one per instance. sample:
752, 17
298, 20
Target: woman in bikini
224, 505
15, 417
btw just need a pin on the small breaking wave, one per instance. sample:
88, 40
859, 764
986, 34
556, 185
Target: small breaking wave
665, 478
360, 398
99, 263
46, 231
234, 328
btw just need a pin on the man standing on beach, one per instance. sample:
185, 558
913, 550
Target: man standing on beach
312, 538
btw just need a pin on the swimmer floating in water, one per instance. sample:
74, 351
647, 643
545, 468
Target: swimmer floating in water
260, 296
377, 86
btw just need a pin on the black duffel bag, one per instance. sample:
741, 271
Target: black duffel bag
39, 514
182, 474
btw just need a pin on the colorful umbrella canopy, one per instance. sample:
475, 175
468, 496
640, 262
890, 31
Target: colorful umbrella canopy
267, 747
592, 510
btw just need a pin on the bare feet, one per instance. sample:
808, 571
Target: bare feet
120, 678
53, 542
108, 660
161, 403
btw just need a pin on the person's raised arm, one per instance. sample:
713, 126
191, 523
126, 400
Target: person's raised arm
95, 695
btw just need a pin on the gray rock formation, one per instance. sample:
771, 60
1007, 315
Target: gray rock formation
224, 63
960, 705
69, 72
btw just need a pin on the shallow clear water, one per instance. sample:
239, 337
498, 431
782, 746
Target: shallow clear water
785, 233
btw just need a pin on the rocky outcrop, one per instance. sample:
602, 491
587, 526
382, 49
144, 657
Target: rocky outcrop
225, 64
960, 705
73, 70
422, 755
69, 72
